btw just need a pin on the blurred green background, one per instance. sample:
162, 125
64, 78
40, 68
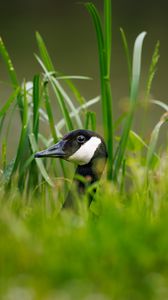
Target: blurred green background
68, 32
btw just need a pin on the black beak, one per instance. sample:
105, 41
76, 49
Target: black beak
54, 151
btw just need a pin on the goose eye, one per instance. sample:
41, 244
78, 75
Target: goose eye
81, 139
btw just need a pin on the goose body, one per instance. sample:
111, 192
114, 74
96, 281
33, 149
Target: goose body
85, 148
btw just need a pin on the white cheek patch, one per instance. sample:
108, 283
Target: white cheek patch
85, 153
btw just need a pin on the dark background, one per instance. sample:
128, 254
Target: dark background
69, 35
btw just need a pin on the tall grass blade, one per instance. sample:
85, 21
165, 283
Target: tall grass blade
90, 121
49, 70
127, 54
108, 33
63, 107
136, 67
136, 71
93, 121
153, 141
36, 105
7, 172
152, 144
60, 95
51, 123
44, 53
87, 119
107, 61
39, 162
151, 74
32, 169
24, 131
104, 52
50, 114
10, 112
13, 165
8, 103
12, 74
152, 69
101, 52
6, 58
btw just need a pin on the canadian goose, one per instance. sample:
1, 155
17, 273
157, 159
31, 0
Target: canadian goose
85, 148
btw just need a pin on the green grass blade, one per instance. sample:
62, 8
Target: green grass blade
104, 63
109, 129
11, 71
136, 71
10, 120
51, 123
6, 58
99, 33
108, 33
63, 96
150, 77
90, 121
33, 179
101, 52
13, 165
152, 144
136, 67
60, 95
8, 103
127, 53
39, 162
152, 68
12, 74
93, 121
44, 53
48, 68
50, 114
24, 131
153, 141
63, 107
7, 173
36, 105
87, 118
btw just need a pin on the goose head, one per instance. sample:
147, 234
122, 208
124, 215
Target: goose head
88, 151
83, 147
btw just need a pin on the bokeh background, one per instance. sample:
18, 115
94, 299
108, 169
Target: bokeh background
69, 35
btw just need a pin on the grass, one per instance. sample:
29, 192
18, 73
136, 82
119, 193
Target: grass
121, 254
116, 249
